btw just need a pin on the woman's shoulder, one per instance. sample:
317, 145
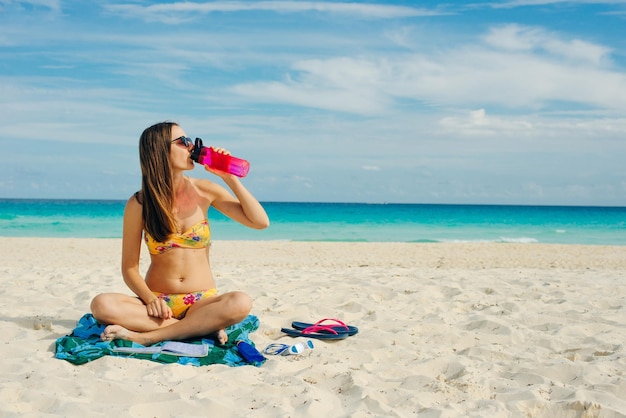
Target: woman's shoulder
137, 197
135, 201
133, 211
205, 187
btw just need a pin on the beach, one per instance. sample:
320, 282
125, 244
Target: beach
445, 330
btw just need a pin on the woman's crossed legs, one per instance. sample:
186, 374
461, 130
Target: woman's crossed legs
131, 321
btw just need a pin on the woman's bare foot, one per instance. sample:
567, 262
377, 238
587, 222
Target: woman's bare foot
221, 336
118, 332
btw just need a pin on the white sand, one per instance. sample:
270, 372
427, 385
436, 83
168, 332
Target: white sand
446, 330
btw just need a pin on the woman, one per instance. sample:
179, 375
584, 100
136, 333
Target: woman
178, 298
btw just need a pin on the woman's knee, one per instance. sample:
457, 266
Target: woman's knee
102, 307
240, 304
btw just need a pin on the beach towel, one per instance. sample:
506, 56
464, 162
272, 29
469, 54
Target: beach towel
84, 345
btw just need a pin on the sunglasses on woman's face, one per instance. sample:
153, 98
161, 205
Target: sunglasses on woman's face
185, 140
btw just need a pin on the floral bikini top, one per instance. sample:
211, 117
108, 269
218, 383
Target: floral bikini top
197, 236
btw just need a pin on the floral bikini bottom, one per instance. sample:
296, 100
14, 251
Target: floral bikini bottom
180, 303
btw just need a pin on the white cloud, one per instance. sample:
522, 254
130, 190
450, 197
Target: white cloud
180, 11
521, 3
401, 36
477, 123
478, 117
509, 73
538, 131
40, 110
344, 84
371, 168
518, 38
53, 5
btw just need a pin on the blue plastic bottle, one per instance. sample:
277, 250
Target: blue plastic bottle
249, 352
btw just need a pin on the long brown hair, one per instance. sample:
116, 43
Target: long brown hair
156, 180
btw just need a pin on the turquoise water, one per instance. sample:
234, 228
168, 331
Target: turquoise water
342, 222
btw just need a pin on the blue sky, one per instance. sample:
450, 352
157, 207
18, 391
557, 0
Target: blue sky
509, 102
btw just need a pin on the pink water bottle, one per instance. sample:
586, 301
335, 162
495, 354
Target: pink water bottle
226, 163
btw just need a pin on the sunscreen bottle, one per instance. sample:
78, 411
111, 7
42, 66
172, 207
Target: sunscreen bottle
249, 352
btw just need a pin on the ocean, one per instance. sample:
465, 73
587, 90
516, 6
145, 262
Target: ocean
347, 222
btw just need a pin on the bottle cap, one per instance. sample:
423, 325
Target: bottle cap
195, 154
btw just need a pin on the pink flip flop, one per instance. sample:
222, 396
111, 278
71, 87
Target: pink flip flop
336, 325
321, 332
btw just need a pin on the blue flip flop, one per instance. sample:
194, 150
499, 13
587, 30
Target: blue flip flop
335, 324
316, 331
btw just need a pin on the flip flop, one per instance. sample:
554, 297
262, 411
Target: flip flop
277, 349
320, 332
338, 326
